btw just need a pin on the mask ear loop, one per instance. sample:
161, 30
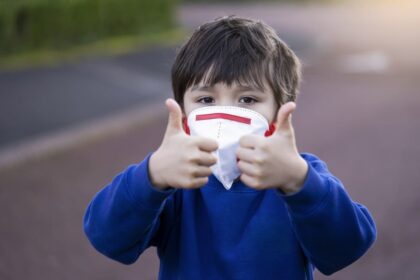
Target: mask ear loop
270, 130
185, 125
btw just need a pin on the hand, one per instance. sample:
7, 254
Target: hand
273, 162
181, 161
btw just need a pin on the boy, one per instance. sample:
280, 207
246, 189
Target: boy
270, 213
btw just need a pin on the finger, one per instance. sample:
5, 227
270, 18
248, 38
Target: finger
206, 159
248, 169
195, 183
245, 154
250, 181
201, 171
175, 116
207, 144
284, 117
249, 141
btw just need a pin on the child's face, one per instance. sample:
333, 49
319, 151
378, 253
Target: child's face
221, 95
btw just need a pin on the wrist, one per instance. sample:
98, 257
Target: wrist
296, 182
156, 179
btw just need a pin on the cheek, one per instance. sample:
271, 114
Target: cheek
270, 113
188, 105
273, 118
186, 110
268, 108
274, 110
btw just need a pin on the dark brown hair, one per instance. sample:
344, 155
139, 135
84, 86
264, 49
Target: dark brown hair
233, 49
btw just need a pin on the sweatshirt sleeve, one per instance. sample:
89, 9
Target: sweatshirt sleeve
333, 230
124, 217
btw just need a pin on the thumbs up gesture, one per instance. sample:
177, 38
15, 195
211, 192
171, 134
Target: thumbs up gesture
181, 161
273, 162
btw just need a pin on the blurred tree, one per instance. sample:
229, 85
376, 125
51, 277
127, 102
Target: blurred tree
34, 24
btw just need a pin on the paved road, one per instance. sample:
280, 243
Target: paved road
358, 111
44, 100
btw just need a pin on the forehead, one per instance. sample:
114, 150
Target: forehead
249, 75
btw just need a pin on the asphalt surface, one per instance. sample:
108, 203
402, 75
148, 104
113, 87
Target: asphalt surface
358, 110
43, 100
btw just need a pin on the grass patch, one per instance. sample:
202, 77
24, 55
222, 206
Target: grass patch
110, 46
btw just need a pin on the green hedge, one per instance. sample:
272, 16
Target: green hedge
36, 24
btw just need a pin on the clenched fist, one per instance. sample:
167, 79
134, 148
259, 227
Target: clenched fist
181, 161
273, 162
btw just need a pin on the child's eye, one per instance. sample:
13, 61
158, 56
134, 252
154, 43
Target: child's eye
247, 100
205, 100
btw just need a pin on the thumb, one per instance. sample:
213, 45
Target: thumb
175, 116
284, 116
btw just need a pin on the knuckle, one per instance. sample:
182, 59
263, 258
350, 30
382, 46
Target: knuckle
239, 152
194, 172
192, 157
213, 160
213, 145
207, 159
191, 172
258, 184
259, 159
198, 183
189, 158
251, 182
258, 173
203, 182
186, 174
184, 182
189, 184
207, 172
193, 185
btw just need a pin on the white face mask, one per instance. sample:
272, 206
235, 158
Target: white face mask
226, 124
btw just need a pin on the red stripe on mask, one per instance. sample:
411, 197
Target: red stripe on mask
223, 116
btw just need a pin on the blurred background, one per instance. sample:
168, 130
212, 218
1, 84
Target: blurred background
82, 86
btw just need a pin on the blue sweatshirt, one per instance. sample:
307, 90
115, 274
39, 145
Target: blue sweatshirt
212, 233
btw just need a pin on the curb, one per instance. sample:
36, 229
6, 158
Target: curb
90, 131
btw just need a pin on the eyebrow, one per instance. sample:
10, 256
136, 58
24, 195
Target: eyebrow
202, 88
240, 88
